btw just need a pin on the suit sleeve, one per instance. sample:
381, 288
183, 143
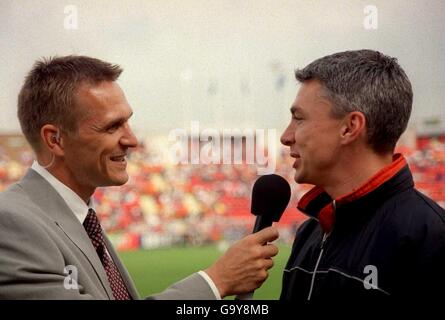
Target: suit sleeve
193, 287
31, 265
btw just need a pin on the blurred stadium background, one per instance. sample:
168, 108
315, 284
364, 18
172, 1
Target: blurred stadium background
177, 219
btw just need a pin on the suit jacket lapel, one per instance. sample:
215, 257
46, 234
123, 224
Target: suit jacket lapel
54, 207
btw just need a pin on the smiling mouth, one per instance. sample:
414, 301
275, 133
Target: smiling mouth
118, 158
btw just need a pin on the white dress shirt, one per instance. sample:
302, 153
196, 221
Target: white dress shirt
80, 209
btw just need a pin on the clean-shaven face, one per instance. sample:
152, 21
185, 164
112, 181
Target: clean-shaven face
96, 154
313, 135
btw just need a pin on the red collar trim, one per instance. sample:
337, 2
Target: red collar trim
326, 214
309, 196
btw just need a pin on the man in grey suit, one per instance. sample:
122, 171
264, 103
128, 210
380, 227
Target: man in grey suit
75, 116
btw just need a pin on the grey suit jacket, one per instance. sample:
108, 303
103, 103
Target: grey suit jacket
40, 237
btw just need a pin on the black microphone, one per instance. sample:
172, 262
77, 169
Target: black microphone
270, 197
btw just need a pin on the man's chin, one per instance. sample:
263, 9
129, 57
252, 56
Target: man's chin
118, 181
122, 181
299, 178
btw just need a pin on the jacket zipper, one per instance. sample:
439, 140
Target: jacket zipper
322, 246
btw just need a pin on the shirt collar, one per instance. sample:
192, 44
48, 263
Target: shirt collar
74, 202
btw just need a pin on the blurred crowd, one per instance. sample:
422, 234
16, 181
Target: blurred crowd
164, 204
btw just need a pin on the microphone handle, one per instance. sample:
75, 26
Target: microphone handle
245, 296
261, 223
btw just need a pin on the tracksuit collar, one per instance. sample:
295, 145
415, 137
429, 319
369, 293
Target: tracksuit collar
318, 204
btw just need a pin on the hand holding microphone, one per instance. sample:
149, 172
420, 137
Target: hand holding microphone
243, 268
270, 197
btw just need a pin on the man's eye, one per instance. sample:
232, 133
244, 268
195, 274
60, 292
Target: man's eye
113, 128
297, 118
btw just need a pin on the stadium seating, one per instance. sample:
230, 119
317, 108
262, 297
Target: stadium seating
198, 203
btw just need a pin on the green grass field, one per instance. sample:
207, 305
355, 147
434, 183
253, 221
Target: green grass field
154, 270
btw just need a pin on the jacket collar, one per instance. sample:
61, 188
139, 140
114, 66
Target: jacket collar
55, 208
61, 204
394, 178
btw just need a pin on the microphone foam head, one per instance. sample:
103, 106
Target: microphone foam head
270, 196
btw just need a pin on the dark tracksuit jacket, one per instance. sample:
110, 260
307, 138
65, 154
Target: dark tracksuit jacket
386, 239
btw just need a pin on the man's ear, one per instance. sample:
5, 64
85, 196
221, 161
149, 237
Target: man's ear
353, 127
51, 139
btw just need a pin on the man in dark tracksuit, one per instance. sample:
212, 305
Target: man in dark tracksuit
370, 233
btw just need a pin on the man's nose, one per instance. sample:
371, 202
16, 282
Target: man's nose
129, 139
288, 137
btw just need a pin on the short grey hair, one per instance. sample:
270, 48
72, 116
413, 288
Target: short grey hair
369, 82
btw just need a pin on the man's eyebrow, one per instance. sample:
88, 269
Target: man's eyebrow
118, 120
294, 109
